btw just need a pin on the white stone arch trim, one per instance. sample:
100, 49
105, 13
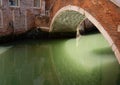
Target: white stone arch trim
94, 21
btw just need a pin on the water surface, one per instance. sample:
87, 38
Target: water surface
85, 61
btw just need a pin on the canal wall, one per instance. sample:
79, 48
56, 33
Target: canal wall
17, 18
102, 13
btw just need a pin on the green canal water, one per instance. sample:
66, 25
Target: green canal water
85, 61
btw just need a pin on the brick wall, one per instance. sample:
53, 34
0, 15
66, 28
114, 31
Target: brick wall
18, 19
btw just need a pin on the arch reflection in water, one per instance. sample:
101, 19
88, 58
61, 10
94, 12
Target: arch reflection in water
60, 62
27, 64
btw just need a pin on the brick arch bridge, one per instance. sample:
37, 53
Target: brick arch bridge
102, 13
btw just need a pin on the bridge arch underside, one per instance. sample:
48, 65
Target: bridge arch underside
69, 18
67, 21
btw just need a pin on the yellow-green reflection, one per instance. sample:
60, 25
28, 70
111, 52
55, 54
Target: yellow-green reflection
60, 62
92, 50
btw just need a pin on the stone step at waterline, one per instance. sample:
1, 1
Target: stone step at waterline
45, 29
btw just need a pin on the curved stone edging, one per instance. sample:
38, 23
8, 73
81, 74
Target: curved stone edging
94, 21
116, 2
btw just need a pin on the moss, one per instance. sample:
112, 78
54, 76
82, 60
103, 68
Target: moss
67, 21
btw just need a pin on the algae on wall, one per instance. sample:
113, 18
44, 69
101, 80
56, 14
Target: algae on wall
67, 21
